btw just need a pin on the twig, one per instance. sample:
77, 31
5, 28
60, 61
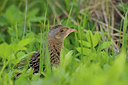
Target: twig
54, 11
93, 6
104, 13
117, 10
114, 46
59, 6
106, 25
102, 23
25, 19
116, 34
113, 19
105, 17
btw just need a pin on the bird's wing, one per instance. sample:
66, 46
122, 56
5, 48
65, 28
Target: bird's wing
35, 61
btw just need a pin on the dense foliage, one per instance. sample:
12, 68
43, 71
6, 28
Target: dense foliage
88, 57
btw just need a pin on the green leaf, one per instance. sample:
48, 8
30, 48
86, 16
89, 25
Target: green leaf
67, 59
104, 45
32, 15
85, 43
5, 51
13, 15
96, 39
20, 56
86, 51
23, 43
2, 37
89, 33
3, 20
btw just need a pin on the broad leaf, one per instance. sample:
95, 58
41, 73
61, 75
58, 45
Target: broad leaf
13, 15
104, 45
86, 51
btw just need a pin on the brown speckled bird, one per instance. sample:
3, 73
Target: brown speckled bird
55, 39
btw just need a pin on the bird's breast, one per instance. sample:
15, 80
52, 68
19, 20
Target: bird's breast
54, 49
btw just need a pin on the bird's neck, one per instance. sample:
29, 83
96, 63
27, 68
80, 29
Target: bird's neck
54, 47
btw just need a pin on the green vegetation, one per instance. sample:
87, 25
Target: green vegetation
88, 57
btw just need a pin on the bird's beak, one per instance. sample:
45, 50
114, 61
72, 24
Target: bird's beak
70, 30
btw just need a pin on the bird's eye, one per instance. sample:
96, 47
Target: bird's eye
62, 30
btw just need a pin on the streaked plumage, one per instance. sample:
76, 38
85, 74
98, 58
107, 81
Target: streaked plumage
55, 38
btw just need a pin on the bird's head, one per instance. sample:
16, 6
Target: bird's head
59, 32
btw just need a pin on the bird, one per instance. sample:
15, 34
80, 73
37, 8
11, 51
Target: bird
55, 40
